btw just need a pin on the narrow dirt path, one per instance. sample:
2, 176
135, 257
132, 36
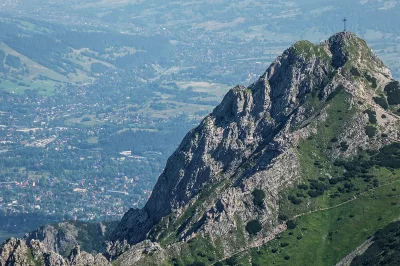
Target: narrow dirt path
345, 202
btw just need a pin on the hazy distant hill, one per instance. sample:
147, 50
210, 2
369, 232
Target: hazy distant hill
39, 55
210, 27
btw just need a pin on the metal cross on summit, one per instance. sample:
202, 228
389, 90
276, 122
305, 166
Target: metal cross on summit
344, 21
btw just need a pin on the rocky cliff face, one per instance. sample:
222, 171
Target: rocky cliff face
235, 166
17, 252
250, 142
59, 244
251, 134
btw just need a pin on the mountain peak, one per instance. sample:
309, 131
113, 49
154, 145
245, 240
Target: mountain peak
343, 36
348, 49
341, 50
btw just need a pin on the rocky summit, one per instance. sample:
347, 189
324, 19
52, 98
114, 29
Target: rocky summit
281, 172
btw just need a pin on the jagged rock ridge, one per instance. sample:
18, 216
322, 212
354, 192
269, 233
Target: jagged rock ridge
249, 142
252, 120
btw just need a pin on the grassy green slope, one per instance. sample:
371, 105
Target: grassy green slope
325, 237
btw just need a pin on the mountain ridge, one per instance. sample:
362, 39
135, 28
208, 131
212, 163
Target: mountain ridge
273, 102
225, 186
